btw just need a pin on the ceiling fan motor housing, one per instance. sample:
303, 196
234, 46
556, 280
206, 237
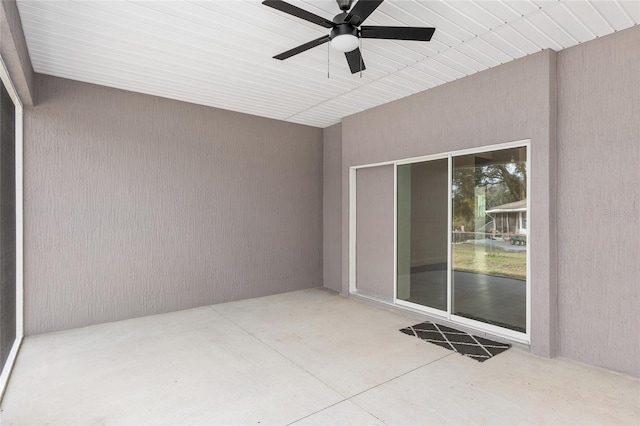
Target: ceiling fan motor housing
343, 29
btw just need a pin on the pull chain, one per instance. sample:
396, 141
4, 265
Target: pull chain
361, 60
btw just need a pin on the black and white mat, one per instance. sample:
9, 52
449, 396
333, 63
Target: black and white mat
475, 347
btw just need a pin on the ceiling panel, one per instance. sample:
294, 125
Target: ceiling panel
499, 9
549, 27
503, 44
589, 15
631, 8
480, 15
479, 53
534, 34
571, 23
612, 12
523, 7
219, 52
489, 50
467, 64
518, 40
420, 78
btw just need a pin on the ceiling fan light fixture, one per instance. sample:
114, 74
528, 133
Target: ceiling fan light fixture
344, 43
344, 38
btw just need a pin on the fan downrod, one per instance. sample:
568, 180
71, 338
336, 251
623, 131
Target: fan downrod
344, 4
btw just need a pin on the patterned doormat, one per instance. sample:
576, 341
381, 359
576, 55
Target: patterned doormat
475, 347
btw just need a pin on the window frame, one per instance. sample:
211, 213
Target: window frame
19, 113
519, 337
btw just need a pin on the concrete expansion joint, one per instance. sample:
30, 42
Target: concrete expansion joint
350, 398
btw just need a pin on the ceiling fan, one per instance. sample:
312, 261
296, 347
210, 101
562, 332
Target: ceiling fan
347, 29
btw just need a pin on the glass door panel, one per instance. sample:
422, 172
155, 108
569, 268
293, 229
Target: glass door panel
422, 217
489, 234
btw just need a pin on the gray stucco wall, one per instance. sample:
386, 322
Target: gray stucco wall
374, 231
331, 208
136, 205
585, 282
599, 202
511, 102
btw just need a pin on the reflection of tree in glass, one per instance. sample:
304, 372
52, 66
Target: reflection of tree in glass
504, 183
508, 182
463, 188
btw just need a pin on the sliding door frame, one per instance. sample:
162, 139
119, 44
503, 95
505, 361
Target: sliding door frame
8, 367
352, 220
415, 306
447, 315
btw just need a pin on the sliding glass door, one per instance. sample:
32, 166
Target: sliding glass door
489, 269
462, 238
422, 233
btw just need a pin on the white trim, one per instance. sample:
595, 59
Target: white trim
19, 151
8, 366
368, 166
492, 329
430, 157
4, 75
352, 229
395, 231
449, 237
524, 209
421, 159
486, 148
476, 325
529, 233
422, 308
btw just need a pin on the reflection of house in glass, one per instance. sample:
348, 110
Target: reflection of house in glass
510, 218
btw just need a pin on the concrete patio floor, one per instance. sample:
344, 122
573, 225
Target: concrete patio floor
307, 357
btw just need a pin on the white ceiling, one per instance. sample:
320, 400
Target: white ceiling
219, 53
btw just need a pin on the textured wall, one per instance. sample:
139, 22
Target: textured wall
374, 231
331, 213
511, 102
136, 205
599, 201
